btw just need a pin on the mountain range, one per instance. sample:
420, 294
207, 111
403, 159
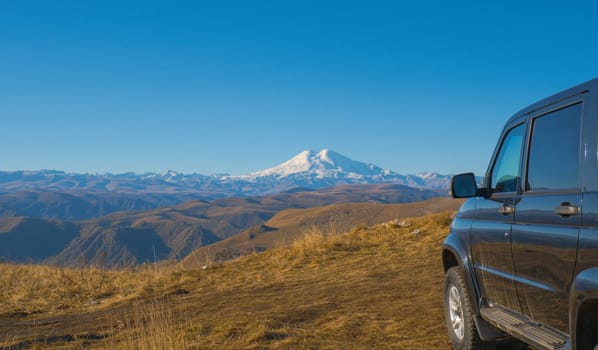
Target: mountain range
308, 169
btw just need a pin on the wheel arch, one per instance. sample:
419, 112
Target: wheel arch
454, 253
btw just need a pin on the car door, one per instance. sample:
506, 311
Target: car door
491, 229
547, 218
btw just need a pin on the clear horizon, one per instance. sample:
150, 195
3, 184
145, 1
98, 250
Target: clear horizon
208, 88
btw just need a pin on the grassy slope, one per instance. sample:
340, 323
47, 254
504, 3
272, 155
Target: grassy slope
371, 288
291, 224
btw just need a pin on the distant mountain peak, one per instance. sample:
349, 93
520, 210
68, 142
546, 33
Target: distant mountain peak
299, 163
325, 163
170, 173
327, 155
428, 175
331, 157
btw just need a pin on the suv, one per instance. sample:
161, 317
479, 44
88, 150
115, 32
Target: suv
521, 259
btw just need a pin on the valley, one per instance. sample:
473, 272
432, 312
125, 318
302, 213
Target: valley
133, 237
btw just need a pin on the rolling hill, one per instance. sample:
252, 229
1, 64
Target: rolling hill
291, 224
134, 237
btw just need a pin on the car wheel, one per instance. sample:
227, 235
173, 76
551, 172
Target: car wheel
458, 314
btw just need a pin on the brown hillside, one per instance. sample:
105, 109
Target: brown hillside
127, 238
290, 224
31, 237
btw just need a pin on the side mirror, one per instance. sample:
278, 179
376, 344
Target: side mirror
464, 186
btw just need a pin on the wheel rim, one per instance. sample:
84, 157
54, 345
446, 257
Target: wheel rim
456, 312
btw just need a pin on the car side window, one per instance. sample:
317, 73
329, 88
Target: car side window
505, 172
554, 151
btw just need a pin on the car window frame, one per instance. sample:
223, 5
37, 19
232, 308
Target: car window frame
539, 113
519, 122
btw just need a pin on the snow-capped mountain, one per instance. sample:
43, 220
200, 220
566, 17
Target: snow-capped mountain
326, 168
323, 164
308, 169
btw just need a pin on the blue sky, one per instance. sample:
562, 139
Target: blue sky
238, 86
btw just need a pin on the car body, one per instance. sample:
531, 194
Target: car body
521, 259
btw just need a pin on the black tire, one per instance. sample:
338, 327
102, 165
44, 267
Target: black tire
458, 313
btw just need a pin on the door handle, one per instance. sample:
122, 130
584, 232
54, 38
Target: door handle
566, 210
506, 209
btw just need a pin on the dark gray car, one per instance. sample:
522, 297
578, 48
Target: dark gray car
521, 260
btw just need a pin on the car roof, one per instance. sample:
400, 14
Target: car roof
577, 89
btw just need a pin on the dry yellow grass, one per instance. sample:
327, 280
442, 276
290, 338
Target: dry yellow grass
371, 288
47, 290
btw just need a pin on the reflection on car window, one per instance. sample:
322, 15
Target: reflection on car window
554, 151
505, 172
